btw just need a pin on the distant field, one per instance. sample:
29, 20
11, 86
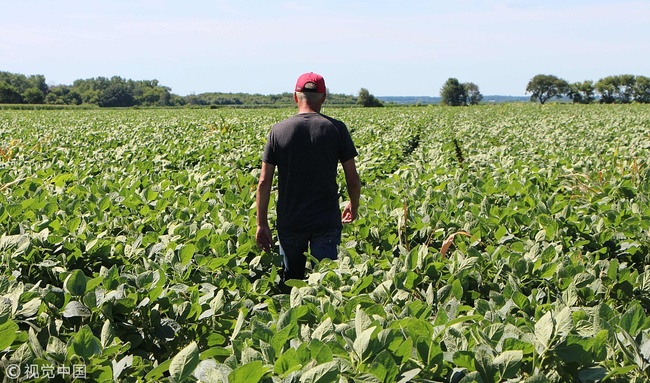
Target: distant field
495, 243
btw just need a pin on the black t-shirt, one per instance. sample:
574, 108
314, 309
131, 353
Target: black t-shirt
306, 148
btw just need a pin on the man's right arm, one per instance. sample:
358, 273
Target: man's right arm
353, 184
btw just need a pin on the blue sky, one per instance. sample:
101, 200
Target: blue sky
391, 48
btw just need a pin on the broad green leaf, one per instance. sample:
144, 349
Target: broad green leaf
404, 351
322, 373
323, 329
464, 359
8, 334
186, 254
29, 309
320, 352
35, 343
85, 344
409, 375
239, 324
384, 367
592, 374
483, 362
251, 372
544, 331
292, 315
508, 363
362, 341
632, 320
282, 337
361, 321
75, 283
287, 362
563, 322
120, 366
76, 309
521, 300
108, 334
184, 363
209, 371
158, 372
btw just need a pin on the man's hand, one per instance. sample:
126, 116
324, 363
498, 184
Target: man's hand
264, 238
349, 214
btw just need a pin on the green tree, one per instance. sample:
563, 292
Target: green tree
642, 89
33, 96
543, 87
63, 95
9, 94
366, 99
38, 82
582, 92
474, 95
116, 95
453, 93
616, 89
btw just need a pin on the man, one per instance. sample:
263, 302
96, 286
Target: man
306, 148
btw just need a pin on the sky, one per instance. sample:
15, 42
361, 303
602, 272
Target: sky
391, 48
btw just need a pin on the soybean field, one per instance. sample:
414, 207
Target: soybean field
495, 243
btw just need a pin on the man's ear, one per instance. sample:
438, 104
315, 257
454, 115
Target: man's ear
295, 97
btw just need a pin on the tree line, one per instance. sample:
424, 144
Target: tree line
119, 92
620, 89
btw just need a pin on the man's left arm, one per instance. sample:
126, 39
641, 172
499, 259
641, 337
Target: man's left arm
263, 235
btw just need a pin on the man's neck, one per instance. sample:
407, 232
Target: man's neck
305, 108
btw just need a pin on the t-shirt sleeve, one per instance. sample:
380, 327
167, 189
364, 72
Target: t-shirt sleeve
269, 154
348, 150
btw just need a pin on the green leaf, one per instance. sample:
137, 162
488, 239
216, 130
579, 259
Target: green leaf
85, 344
208, 371
409, 375
251, 372
119, 367
320, 352
287, 363
361, 321
187, 253
76, 309
544, 331
362, 341
281, 337
292, 315
7, 334
108, 334
75, 283
384, 367
501, 231
457, 289
157, 373
508, 363
184, 363
464, 359
592, 374
521, 300
632, 320
323, 373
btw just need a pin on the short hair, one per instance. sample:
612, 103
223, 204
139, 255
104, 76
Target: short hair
310, 97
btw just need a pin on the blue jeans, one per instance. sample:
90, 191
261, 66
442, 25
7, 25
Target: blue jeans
293, 246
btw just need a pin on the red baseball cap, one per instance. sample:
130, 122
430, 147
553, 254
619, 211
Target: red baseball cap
311, 82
